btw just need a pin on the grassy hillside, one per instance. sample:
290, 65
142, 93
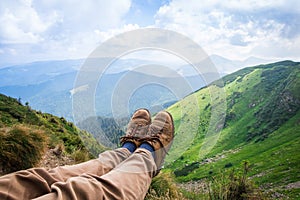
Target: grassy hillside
25, 134
261, 125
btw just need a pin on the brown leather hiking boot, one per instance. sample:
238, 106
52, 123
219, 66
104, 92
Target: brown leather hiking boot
160, 137
137, 127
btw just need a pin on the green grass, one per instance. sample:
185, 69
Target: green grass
13, 115
261, 125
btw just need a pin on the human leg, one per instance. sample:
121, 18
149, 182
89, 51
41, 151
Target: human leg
35, 182
137, 128
129, 180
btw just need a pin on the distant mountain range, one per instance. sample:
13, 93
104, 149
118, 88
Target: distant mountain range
227, 66
48, 85
55, 95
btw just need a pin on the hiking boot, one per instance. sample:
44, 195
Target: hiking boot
137, 127
160, 137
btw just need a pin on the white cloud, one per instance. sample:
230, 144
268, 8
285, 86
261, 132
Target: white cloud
104, 35
235, 28
27, 21
56, 29
20, 23
85, 15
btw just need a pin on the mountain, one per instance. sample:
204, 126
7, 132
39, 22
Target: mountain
25, 134
252, 114
49, 87
106, 130
37, 72
226, 66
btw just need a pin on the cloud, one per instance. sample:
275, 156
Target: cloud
104, 35
235, 28
238, 40
27, 21
20, 23
76, 15
44, 29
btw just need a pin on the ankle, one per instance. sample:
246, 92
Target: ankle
130, 146
147, 146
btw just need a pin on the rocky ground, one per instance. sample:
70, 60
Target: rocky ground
54, 158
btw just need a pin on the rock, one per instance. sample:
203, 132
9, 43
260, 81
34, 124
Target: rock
57, 150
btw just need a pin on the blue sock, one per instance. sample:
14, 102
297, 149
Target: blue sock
130, 146
147, 146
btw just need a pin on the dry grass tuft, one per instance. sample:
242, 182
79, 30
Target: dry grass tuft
21, 147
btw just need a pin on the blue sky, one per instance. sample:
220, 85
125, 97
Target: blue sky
34, 30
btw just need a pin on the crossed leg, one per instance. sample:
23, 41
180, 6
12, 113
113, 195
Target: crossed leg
118, 174
35, 182
129, 180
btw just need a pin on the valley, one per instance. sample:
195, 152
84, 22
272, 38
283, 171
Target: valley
248, 119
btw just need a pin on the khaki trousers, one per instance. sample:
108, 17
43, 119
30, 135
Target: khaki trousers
116, 174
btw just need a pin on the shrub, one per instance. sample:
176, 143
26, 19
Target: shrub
21, 147
81, 156
228, 165
187, 169
163, 187
235, 185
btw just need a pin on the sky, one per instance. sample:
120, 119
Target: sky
33, 30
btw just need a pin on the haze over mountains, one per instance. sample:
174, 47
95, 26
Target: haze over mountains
48, 85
